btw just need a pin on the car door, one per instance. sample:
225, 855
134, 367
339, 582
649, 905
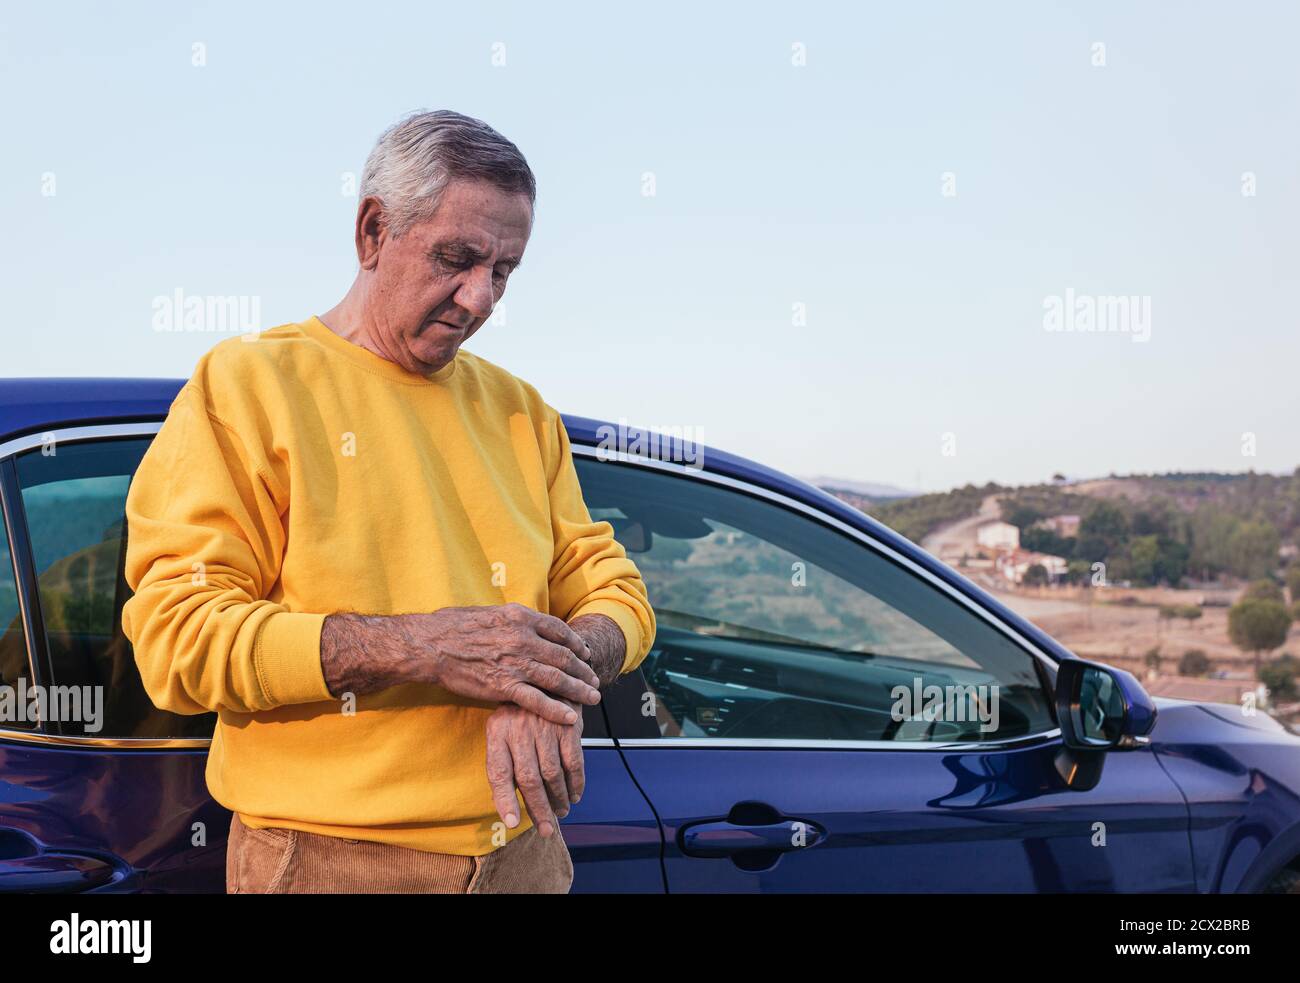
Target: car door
106, 792
820, 713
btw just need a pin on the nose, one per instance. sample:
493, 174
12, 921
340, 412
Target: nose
475, 292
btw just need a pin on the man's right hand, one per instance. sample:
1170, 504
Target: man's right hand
505, 653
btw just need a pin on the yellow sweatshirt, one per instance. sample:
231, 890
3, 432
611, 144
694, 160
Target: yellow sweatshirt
299, 475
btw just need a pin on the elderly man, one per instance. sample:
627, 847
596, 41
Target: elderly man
367, 550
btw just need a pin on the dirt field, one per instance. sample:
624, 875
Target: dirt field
1094, 625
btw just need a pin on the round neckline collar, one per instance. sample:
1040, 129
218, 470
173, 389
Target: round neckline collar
317, 330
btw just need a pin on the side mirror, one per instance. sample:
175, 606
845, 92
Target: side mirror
1099, 709
1102, 708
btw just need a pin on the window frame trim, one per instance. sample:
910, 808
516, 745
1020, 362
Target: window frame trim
51, 732
20, 562
1041, 658
76, 435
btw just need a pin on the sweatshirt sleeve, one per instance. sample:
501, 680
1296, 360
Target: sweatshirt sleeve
591, 572
205, 541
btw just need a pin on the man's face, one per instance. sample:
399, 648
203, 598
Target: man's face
437, 283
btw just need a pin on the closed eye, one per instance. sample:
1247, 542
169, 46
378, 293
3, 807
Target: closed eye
455, 262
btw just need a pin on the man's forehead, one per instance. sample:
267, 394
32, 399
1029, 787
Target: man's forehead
469, 206
476, 232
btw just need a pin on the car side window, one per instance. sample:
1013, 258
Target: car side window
14, 667
74, 502
775, 626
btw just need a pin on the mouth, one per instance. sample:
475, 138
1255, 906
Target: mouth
445, 324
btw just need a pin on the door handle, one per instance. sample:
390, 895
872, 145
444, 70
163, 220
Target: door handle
751, 827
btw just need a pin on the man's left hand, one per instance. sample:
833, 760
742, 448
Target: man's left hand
542, 758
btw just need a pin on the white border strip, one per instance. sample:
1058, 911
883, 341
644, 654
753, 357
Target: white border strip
70, 435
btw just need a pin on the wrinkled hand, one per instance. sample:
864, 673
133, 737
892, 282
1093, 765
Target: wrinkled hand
511, 653
541, 758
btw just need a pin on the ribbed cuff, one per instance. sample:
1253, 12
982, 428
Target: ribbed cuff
625, 619
287, 659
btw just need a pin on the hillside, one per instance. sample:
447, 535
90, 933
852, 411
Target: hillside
1149, 529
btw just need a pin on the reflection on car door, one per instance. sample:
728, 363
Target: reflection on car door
769, 728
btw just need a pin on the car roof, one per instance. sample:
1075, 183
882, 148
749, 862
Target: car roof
34, 405
28, 405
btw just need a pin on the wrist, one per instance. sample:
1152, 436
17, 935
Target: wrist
415, 655
606, 645
423, 662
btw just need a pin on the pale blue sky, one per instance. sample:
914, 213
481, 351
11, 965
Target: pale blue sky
775, 185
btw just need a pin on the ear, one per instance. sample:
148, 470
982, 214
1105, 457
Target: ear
372, 231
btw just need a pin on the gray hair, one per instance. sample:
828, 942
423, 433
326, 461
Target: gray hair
415, 158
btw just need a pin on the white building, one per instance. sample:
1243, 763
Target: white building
1013, 566
1066, 526
998, 535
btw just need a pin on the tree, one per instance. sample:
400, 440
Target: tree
1223, 542
1280, 676
1021, 516
1193, 663
1144, 558
1293, 582
1258, 625
1253, 550
1101, 531
1264, 590
1152, 521
1036, 575
1041, 540
1212, 532
1173, 561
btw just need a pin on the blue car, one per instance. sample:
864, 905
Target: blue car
826, 707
